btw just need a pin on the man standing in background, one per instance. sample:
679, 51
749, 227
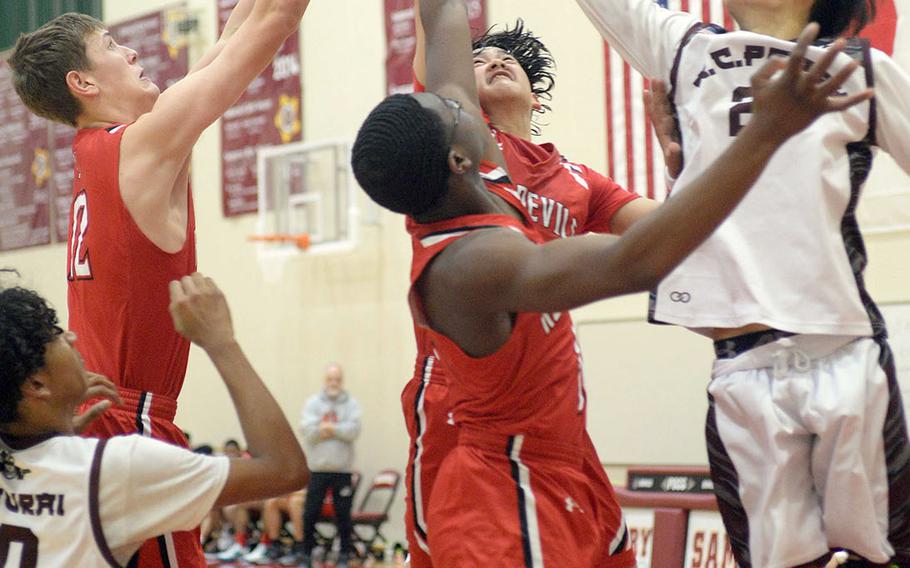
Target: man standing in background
330, 424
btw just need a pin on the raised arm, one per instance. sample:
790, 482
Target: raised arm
155, 148
238, 15
277, 465
645, 34
449, 61
420, 52
505, 272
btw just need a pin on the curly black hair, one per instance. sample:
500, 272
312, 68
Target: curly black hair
400, 156
838, 17
27, 325
531, 54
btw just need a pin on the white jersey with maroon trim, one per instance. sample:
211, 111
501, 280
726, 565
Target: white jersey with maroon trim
72, 501
791, 255
45, 516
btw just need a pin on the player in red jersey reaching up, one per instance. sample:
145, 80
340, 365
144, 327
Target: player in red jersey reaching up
132, 223
514, 491
514, 75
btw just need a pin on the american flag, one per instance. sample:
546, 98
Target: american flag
634, 159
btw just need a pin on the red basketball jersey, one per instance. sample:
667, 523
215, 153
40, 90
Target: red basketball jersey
118, 279
533, 384
561, 197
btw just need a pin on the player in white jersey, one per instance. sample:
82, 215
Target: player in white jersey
72, 501
806, 433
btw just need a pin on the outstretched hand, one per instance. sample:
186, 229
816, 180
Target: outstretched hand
101, 387
787, 98
200, 311
657, 104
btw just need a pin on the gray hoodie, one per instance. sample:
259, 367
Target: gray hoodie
335, 454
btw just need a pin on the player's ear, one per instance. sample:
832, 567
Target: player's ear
81, 84
459, 162
535, 102
36, 386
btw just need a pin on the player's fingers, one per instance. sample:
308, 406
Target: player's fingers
81, 422
189, 285
201, 282
842, 103
766, 71
99, 385
819, 68
659, 89
673, 159
798, 56
177, 293
835, 81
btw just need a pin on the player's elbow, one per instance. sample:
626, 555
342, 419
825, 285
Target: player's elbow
295, 473
299, 477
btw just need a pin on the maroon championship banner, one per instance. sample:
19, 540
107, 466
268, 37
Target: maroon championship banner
268, 114
25, 171
401, 40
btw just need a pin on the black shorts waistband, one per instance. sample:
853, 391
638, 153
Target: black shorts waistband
739, 344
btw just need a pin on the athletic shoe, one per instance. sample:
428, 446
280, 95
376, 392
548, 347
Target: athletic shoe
296, 557
273, 552
233, 552
257, 554
224, 541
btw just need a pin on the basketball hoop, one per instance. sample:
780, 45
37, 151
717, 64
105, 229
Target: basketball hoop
301, 241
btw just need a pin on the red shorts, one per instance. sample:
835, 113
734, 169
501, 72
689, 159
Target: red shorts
517, 502
152, 415
432, 438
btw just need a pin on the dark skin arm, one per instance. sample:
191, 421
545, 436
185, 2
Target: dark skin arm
277, 465
473, 287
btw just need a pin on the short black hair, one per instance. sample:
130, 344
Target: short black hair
27, 325
530, 53
231, 442
400, 156
839, 17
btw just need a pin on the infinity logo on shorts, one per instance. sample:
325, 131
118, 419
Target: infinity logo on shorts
680, 297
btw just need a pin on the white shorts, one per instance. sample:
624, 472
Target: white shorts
798, 431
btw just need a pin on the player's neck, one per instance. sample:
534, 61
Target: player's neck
516, 124
42, 417
780, 22
104, 117
470, 197
29, 430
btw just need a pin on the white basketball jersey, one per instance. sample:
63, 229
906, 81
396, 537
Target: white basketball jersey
49, 505
791, 255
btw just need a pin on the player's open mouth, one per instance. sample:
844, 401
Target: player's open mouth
501, 74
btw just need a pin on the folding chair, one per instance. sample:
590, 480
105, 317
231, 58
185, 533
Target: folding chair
374, 508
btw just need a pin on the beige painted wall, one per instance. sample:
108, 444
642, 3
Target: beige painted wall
351, 307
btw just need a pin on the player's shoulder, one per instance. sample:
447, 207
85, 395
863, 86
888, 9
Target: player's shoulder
881, 60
